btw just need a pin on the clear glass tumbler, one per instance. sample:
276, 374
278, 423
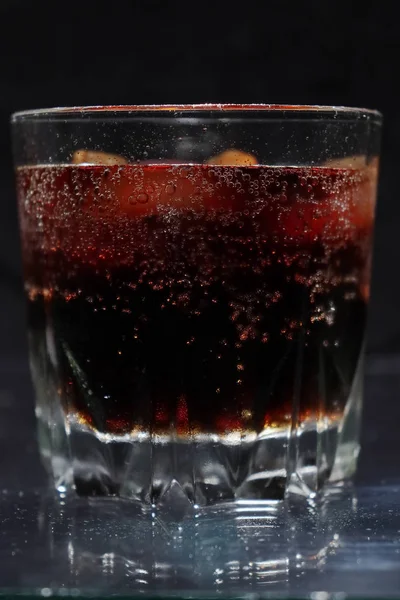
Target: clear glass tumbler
197, 280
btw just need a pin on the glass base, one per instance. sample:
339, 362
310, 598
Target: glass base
203, 472
200, 470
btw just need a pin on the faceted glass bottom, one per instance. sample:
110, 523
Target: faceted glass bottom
200, 470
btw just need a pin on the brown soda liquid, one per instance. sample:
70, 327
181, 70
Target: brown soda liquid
194, 299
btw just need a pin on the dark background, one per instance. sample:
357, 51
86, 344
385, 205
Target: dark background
344, 53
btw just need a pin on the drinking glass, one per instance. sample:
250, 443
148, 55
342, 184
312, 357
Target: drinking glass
197, 283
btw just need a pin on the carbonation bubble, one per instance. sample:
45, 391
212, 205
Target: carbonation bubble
170, 188
142, 198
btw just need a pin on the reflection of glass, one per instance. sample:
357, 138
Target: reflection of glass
197, 312
94, 547
104, 545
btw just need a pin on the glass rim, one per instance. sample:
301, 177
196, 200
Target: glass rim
218, 109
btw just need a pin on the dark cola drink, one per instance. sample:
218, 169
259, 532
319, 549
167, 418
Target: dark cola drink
193, 320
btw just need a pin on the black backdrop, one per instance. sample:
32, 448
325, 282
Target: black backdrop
57, 53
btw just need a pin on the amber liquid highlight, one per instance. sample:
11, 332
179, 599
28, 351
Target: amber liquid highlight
179, 300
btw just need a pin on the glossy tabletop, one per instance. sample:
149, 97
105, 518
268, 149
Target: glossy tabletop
349, 545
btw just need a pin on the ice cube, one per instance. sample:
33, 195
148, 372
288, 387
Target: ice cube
95, 157
353, 162
233, 157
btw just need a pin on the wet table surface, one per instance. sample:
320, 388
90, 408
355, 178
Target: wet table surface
347, 546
